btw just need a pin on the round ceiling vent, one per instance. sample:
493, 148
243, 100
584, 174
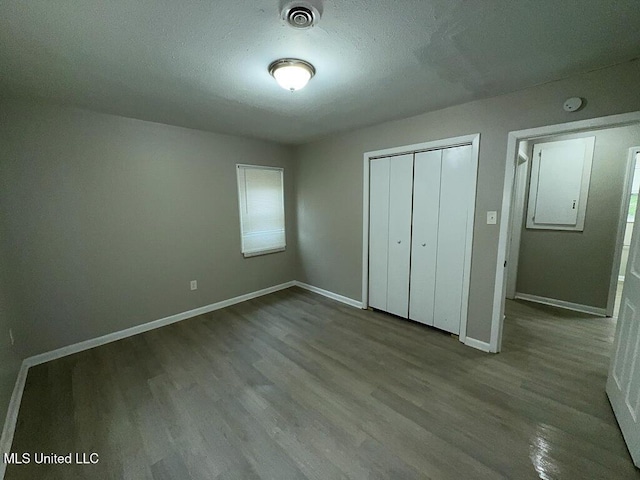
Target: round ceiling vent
301, 16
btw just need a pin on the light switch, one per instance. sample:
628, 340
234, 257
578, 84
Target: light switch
492, 217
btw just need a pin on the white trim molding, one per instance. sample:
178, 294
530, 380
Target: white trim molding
16, 398
499, 292
331, 295
516, 221
622, 227
11, 419
145, 327
477, 344
576, 307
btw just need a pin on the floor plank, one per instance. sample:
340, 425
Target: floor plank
295, 386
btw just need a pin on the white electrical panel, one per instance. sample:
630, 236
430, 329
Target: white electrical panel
559, 186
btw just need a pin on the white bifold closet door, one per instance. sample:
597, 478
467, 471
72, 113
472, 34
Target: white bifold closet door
455, 191
441, 198
419, 206
391, 181
424, 242
378, 232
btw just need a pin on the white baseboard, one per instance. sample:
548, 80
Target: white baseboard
12, 416
14, 406
145, 327
472, 342
576, 307
16, 398
331, 295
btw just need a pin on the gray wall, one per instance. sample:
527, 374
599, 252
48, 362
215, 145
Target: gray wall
107, 219
9, 359
576, 266
329, 176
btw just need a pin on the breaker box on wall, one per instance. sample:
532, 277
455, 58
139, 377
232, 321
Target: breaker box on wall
559, 186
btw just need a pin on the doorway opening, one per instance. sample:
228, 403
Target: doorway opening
570, 202
629, 207
509, 211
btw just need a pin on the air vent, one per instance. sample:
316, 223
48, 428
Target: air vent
301, 16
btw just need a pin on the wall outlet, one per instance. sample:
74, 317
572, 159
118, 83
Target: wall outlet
194, 284
13, 341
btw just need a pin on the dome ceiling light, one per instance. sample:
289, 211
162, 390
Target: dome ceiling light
292, 73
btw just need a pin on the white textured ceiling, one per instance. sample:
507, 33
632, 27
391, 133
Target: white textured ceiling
203, 64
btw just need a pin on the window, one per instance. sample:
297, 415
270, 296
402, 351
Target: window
261, 196
635, 188
633, 204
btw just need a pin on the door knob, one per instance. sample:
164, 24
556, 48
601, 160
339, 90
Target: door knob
424, 244
399, 241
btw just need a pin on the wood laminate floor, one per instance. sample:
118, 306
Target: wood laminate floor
295, 386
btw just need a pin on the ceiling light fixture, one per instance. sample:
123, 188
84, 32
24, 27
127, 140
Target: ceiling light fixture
292, 73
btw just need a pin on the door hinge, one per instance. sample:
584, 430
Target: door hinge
505, 264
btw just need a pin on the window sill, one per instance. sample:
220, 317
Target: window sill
263, 252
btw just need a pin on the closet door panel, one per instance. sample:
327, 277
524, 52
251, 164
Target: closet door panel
378, 232
455, 186
424, 241
400, 197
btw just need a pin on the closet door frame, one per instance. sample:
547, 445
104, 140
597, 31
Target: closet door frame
474, 141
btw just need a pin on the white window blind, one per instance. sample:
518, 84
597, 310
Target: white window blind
261, 194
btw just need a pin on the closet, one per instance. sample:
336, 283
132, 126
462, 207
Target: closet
420, 206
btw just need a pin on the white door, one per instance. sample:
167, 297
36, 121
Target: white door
400, 195
455, 190
424, 242
623, 383
378, 232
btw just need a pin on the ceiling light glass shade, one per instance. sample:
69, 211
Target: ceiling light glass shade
291, 73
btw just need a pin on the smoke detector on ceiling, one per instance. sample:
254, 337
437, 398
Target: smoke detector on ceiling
572, 104
301, 14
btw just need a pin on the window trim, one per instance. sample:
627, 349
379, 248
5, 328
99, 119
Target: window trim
284, 220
